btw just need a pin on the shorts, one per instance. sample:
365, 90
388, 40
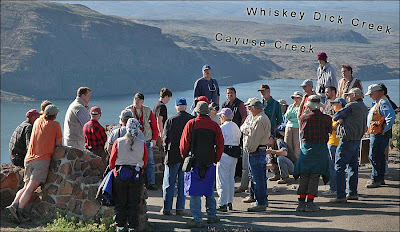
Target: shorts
36, 170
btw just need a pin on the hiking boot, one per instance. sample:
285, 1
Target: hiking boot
13, 211
374, 185
283, 181
151, 187
223, 208
329, 193
257, 208
165, 212
275, 178
230, 206
193, 224
354, 197
240, 189
179, 212
338, 200
213, 220
301, 207
311, 207
248, 200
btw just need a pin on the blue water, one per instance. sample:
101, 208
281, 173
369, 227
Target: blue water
13, 113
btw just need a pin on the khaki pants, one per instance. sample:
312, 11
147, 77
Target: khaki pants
292, 139
75, 144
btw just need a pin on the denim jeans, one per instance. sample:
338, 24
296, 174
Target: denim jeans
195, 207
347, 156
245, 170
257, 162
171, 172
285, 165
150, 168
377, 147
332, 180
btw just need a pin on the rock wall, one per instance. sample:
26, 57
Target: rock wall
71, 187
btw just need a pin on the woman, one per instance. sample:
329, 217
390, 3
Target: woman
292, 126
214, 108
128, 159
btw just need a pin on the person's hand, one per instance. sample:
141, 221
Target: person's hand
269, 151
383, 132
340, 121
153, 143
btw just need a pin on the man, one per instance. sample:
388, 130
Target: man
256, 140
283, 159
149, 127
236, 105
46, 136
272, 108
208, 145
120, 131
330, 94
20, 138
207, 86
226, 166
381, 118
313, 160
326, 75
352, 126
173, 160
95, 135
160, 110
307, 86
347, 81
75, 118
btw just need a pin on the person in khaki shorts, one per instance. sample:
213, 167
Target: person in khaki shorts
46, 135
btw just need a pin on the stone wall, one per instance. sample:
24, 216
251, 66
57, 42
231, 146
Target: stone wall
71, 187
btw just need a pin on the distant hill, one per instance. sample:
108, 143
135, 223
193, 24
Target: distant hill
49, 49
7, 97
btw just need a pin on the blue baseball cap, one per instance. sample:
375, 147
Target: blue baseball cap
180, 101
339, 100
206, 66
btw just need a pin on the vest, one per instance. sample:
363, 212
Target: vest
377, 121
73, 130
237, 117
126, 156
146, 111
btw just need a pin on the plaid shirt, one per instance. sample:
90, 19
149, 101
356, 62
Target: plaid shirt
315, 127
95, 135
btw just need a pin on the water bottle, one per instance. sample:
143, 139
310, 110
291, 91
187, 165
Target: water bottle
137, 172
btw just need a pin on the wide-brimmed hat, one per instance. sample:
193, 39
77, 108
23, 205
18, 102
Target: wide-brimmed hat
372, 88
297, 94
314, 102
254, 102
282, 102
357, 91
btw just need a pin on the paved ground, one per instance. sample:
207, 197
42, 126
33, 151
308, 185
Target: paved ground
376, 210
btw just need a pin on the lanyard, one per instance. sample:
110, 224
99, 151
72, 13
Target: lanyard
140, 118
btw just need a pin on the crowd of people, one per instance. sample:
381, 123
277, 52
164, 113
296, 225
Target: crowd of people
319, 134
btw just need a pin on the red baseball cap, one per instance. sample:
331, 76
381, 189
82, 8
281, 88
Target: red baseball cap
31, 113
203, 98
95, 110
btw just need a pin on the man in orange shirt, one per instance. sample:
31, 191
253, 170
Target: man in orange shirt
46, 135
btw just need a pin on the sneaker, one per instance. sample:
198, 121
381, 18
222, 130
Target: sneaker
223, 208
354, 197
311, 207
283, 181
193, 224
230, 206
165, 212
213, 220
338, 200
248, 200
179, 212
240, 189
374, 185
257, 208
329, 193
275, 178
13, 212
301, 207
151, 187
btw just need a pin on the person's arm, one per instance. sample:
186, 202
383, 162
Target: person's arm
184, 144
332, 80
165, 136
219, 142
154, 130
160, 126
58, 142
301, 107
103, 135
113, 156
59, 136
243, 112
342, 114
386, 110
196, 89
278, 113
259, 131
145, 156
83, 116
28, 133
280, 152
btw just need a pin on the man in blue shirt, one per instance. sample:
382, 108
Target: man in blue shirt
207, 86
380, 119
272, 108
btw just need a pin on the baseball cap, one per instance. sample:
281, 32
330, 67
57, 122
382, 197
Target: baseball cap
51, 110
202, 108
306, 83
356, 91
372, 88
203, 98
250, 100
226, 111
263, 87
297, 94
339, 100
139, 96
95, 110
31, 113
213, 106
180, 101
255, 103
126, 114
206, 66
282, 102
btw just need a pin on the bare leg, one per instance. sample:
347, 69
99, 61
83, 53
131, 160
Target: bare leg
19, 194
27, 194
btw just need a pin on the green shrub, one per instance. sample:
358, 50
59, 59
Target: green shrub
66, 223
395, 141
